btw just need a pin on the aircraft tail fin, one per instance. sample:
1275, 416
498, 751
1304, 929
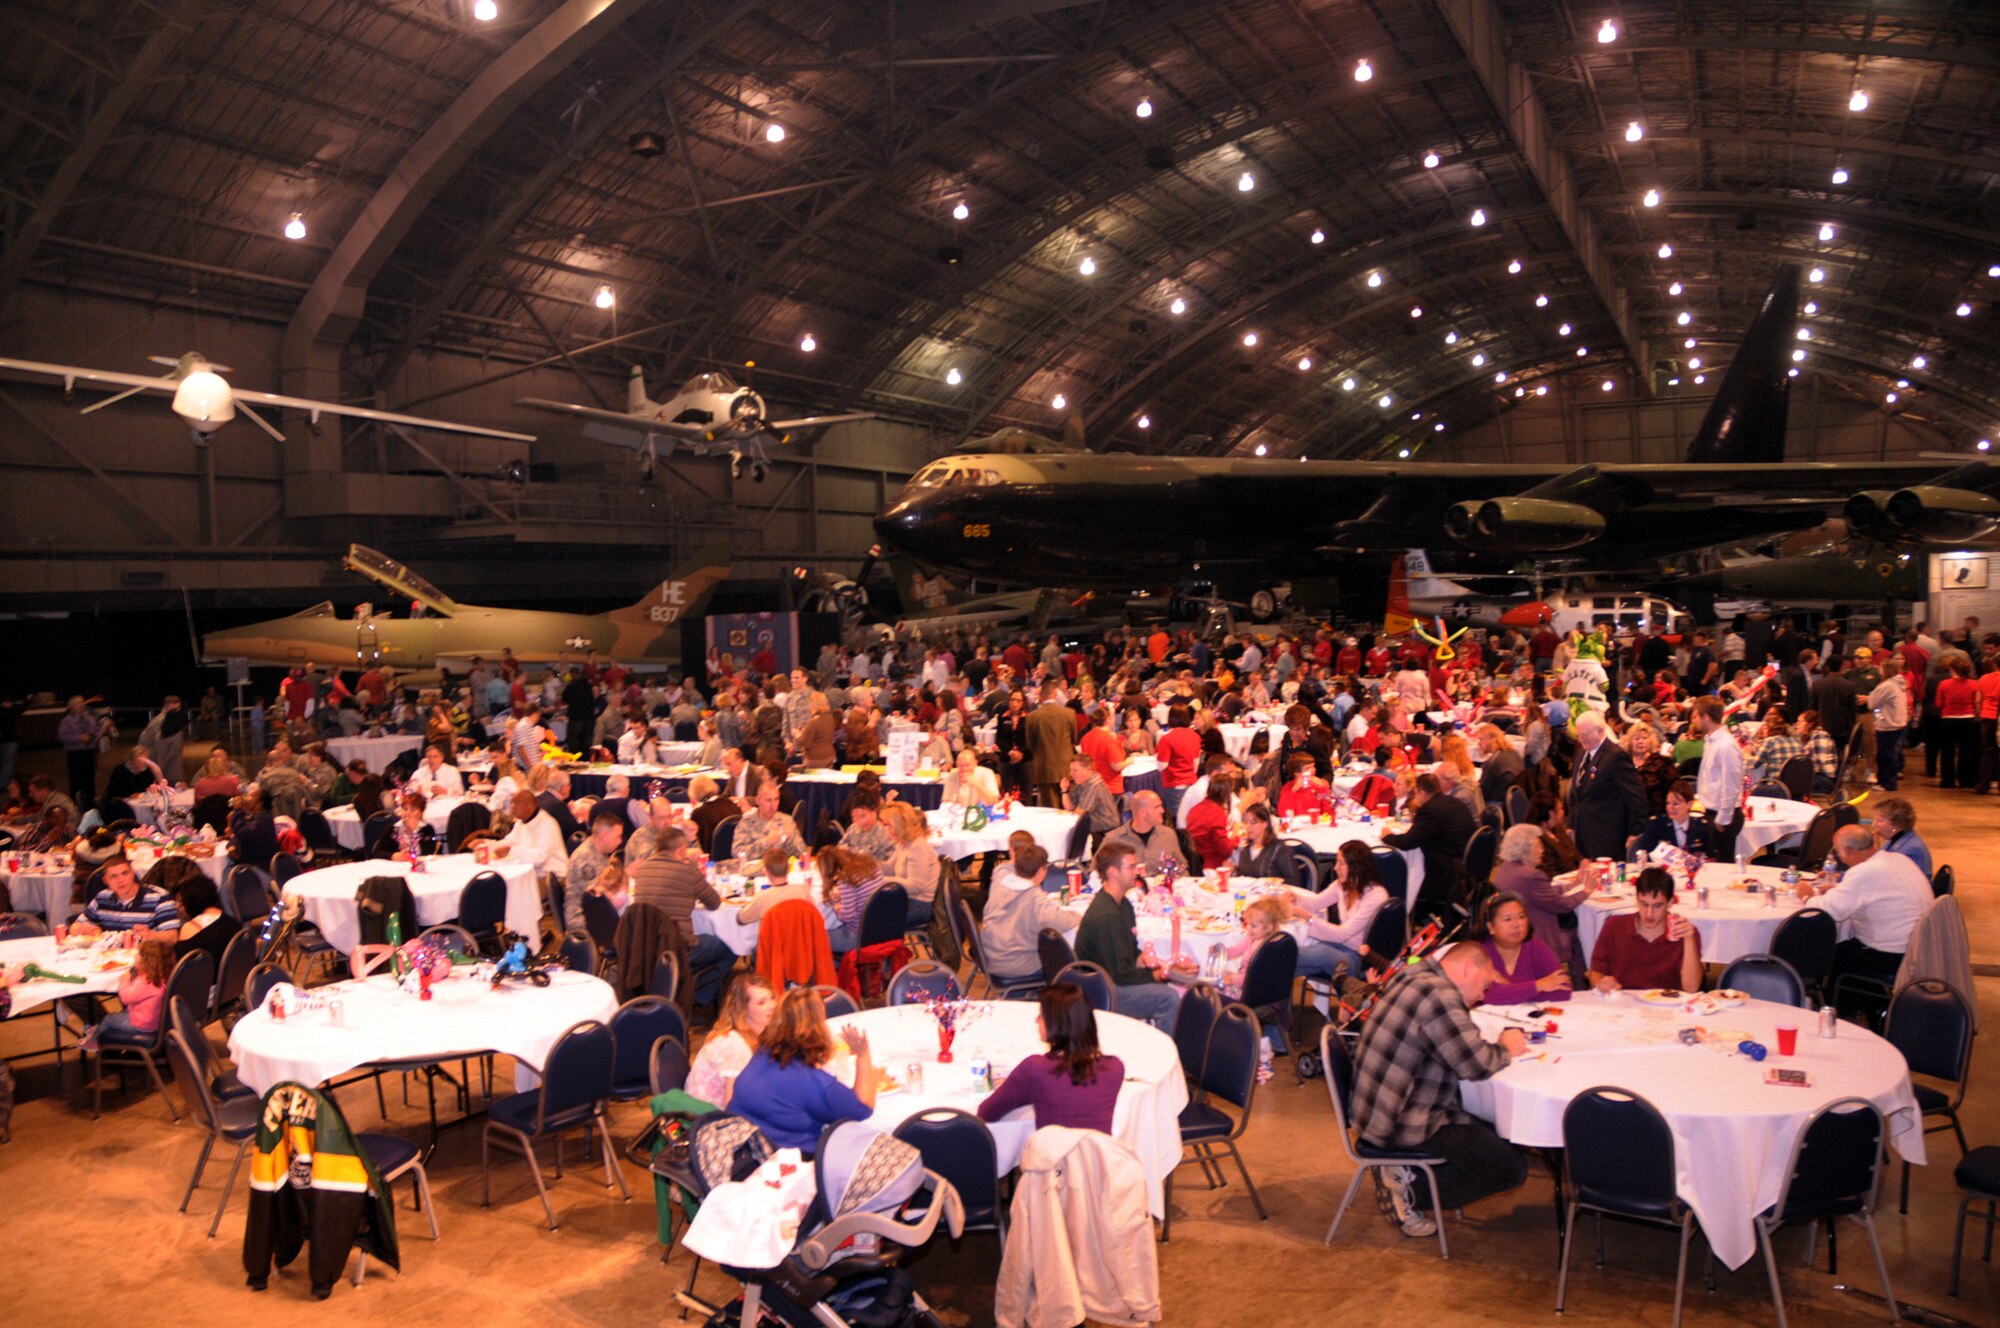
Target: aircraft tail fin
1745, 422
921, 592
636, 399
1396, 617
684, 594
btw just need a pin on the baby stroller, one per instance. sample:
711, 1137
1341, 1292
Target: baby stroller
871, 1190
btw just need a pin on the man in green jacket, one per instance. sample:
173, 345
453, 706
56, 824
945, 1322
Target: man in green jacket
1106, 937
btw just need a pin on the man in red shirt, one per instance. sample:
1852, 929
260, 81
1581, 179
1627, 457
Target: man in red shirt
1179, 753
1542, 648
1348, 662
1016, 656
1323, 648
1651, 948
1378, 661
1106, 753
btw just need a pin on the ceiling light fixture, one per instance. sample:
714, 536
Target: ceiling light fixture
1700, 379
1178, 307
1651, 198
1541, 389
295, 226
1964, 310
1403, 452
485, 10
1431, 160
961, 213
1347, 384
1902, 382
1479, 360
1674, 289
1816, 276
1541, 301
1791, 373
1145, 421
1858, 101
1088, 266
1684, 318
1839, 173
603, 298
1249, 338
953, 377
1889, 397
1059, 401
1416, 311
1386, 401
1563, 331
1582, 351
808, 343
1478, 217
774, 132
1144, 110
1812, 307
1363, 71
1798, 357
1608, 385
1500, 376
1451, 338
1665, 251
1634, 132
1374, 279
1825, 234
1695, 363
1305, 363
1514, 267
1919, 363
1984, 444
1805, 334
1689, 344
1607, 32
1245, 183
1261, 449
1318, 236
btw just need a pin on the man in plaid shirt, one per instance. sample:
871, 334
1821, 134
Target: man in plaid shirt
1418, 1044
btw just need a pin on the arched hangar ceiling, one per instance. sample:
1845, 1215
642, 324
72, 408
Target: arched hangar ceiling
468, 184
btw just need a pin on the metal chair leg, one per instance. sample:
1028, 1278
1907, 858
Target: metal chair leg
1681, 1276
1346, 1202
229, 1185
201, 1165
166, 1095
1255, 1198
1562, 1273
611, 1160
422, 1185
1881, 1268
1437, 1210
535, 1169
1771, 1269
1958, 1242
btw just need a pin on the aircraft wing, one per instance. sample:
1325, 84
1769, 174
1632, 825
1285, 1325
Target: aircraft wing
365, 413
75, 373
814, 421
638, 424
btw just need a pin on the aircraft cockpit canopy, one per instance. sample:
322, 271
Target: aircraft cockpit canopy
953, 473
714, 381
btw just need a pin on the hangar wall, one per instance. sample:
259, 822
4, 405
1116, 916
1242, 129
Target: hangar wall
122, 507
1579, 422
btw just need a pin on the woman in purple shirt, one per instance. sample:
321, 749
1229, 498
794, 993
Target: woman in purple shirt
1073, 1083
1523, 968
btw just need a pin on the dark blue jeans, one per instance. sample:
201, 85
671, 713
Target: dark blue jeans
1889, 758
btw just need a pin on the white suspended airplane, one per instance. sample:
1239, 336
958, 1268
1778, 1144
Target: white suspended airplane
712, 415
207, 401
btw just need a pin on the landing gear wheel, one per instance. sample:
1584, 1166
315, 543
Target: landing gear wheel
1263, 605
758, 470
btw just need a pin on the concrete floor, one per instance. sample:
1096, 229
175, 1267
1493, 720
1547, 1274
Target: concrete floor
91, 1232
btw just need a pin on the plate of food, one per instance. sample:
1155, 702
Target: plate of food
1660, 996
1730, 996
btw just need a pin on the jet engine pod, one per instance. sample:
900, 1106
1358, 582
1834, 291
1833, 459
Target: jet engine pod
1867, 512
1523, 525
1943, 516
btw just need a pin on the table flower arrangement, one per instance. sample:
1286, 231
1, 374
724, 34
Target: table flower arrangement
951, 1013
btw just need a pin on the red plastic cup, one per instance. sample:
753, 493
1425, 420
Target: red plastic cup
1788, 1039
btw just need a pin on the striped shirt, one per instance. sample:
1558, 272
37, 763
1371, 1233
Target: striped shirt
151, 907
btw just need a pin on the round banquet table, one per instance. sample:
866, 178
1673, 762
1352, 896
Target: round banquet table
1735, 923
1733, 1132
1141, 775
146, 808
375, 753
1050, 827
345, 822
1146, 1118
1236, 738
75, 960
41, 886
741, 937
215, 866
825, 792
328, 894
383, 1024
1325, 841
648, 781
1775, 820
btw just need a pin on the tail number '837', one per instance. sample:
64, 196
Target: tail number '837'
673, 599
977, 530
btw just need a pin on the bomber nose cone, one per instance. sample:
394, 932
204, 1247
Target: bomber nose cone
907, 524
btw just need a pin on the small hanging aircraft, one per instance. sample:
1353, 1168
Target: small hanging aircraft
712, 415
207, 401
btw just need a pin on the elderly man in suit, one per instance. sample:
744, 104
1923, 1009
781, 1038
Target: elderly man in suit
1051, 734
1607, 803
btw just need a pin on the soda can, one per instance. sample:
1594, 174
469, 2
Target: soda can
336, 1012
913, 1076
982, 1075
1701, 896
1829, 1022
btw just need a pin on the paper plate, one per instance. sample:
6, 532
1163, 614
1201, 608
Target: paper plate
1660, 996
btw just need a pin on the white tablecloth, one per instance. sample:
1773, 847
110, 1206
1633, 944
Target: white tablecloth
1146, 1119
1050, 827
1735, 923
1208, 918
81, 961
1325, 841
1734, 1132
43, 890
1776, 819
346, 822
383, 1024
1236, 738
375, 753
328, 894
741, 937
146, 807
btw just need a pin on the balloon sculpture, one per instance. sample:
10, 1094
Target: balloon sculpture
1442, 640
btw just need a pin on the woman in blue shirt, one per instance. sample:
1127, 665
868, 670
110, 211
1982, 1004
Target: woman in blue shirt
784, 1091
1896, 828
